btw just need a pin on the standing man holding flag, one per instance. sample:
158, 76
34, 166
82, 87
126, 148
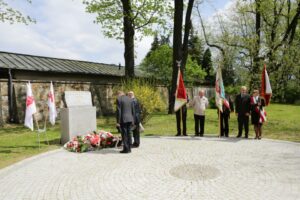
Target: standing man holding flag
51, 105
224, 104
180, 104
30, 107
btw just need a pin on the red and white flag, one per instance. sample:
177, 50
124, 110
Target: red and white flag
180, 95
266, 91
51, 105
220, 91
30, 107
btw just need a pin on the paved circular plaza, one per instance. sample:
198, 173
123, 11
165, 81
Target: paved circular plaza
162, 168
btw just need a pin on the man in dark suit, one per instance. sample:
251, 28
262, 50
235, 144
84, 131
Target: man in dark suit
225, 115
125, 119
181, 116
242, 110
137, 120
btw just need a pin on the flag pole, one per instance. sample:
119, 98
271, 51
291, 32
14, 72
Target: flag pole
219, 123
178, 64
38, 128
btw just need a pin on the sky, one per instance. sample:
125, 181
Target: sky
64, 30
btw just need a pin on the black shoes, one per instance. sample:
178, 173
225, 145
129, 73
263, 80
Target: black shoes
124, 151
177, 134
238, 136
185, 134
134, 145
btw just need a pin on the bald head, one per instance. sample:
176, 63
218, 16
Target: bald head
120, 93
243, 90
131, 94
201, 93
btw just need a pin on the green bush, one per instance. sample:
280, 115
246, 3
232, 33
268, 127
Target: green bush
212, 103
148, 96
292, 94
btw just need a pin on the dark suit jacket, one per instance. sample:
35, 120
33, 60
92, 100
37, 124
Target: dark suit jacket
242, 105
137, 109
125, 110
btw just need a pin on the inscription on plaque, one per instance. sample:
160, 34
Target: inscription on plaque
78, 98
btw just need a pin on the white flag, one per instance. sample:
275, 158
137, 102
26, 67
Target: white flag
51, 105
30, 107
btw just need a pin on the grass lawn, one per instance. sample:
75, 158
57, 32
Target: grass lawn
18, 143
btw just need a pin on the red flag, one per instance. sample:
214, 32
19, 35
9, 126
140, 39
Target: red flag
180, 95
51, 105
266, 91
30, 107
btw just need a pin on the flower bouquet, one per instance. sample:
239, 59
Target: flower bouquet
92, 141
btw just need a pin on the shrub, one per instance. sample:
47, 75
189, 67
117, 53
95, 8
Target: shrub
148, 96
212, 103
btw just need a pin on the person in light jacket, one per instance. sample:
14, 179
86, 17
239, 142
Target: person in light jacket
199, 103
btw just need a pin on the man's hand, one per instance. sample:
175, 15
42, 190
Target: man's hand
247, 114
118, 125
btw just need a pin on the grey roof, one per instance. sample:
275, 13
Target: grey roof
47, 64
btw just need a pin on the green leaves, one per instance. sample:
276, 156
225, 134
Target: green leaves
158, 64
11, 15
145, 15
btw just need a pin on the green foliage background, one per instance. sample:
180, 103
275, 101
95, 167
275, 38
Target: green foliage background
148, 95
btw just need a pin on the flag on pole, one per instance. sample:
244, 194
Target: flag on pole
51, 105
266, 90
220, 91
180, 95
30, 107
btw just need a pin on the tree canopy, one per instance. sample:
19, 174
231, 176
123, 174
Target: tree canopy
11, 15
122, 19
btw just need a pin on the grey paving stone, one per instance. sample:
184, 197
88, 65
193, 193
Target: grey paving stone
162, 168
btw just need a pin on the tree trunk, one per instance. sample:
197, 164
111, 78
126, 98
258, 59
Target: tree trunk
177, 49
128, 39
187, 29
254, 82
1, 116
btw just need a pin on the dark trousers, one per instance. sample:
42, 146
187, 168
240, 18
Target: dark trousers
224, 125
199, 119
126, 135
181, 114
243, 122
136, 135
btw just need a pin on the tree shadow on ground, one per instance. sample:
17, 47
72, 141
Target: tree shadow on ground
209, 137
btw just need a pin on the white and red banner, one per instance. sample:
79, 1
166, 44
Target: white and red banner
30, 107
51, 105
266, 90
220, 91
180, 95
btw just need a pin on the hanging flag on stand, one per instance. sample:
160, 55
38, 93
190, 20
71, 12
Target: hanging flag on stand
266, 90
51, 105
220, 91
180, 95
30, 107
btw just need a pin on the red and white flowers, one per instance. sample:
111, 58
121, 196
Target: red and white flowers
92, 141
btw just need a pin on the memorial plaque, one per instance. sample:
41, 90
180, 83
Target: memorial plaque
78, 98
79, 118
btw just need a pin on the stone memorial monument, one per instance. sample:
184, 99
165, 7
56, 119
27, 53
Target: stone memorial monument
79, 116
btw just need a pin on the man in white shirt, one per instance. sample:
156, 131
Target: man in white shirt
199, 103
